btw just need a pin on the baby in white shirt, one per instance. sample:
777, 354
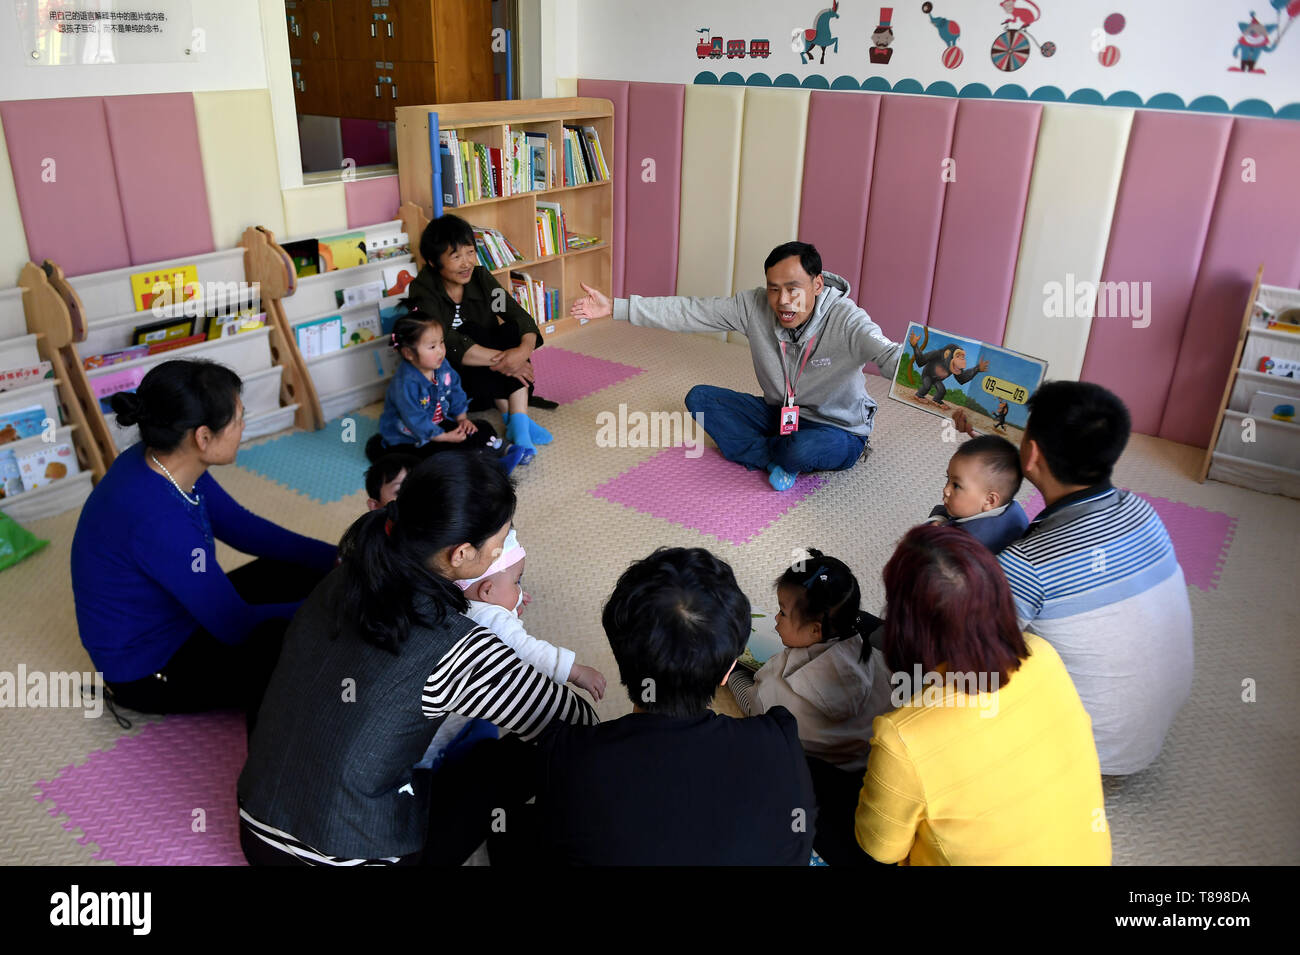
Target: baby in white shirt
495, 601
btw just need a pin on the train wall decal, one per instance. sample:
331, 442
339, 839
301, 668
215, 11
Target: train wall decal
711, 47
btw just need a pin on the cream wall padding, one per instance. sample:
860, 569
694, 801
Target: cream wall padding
315, 210
771, 178
13, 239
1077, 169
237, 142
711, 137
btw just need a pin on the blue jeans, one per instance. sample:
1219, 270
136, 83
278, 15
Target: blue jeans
747, 430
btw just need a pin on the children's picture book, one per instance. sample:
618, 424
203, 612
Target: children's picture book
1287, 320
306, 256
114, 357
1279, 367
24, 375
940, 372
342, 251
22, 423
388, 315
389, 245
397, 278
360, 327
171, 344
320, 337
359, 294
763, 640
161, 287
105, 386
1272, 406
11, 479
164, 330
245, 320
47, 465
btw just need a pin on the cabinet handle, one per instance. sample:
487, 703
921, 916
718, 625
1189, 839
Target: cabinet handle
372, 31
376, 91
394, 91
390, 29
315, 37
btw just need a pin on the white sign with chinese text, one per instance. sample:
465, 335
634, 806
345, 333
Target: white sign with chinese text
81, 32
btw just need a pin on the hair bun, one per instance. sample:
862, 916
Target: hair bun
129, 408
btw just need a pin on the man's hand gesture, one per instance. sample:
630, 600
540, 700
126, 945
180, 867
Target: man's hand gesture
592, 305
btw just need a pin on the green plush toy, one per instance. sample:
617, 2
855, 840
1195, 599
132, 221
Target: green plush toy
15, 542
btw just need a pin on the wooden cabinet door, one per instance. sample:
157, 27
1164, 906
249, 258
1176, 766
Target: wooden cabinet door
462, 31
320, 29
357, 34
318, 88
410, 34
361, 95
295, 21
414, 82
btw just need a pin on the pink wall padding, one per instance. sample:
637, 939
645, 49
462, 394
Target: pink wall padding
1157, 235
159, 170
75, 220
372, 200
837, 179
913, 139
1253, 223
365, 141
983, 211
654, 131
617, 92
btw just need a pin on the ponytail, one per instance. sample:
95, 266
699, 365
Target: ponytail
448, 500
828, 594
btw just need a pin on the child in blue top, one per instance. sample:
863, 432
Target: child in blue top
983, 478
425, 409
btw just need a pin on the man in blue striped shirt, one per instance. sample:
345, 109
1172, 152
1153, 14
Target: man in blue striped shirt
1096, 576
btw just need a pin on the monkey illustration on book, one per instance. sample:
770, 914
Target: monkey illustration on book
938, 365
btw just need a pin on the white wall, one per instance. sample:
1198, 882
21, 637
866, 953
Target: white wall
1167, 46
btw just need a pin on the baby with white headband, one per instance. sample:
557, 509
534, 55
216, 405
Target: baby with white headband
495, 600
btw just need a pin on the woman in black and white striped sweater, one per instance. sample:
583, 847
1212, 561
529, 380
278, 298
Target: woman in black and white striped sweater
373, 662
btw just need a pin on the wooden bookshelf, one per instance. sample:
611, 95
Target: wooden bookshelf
588, 208
1251, 446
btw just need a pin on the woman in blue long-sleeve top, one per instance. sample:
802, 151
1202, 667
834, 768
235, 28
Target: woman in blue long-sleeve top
169, 631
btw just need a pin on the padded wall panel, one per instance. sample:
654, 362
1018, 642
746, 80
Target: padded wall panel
1077, 169
237, 140
159, 172
617, 93
13, 241
75, 219
373, 200
771, 178
711, 137
316, 210
838, 160
1157, 235
654, 131
1254, 222
983, 212
913, 138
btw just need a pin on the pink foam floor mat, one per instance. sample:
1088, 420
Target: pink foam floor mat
1201, 537
707, 493
140, 800
566, 376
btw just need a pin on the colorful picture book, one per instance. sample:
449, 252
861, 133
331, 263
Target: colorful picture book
495, 251
161, 287
24, 375
1287, 320
397, 278
539, 301
245, 320
114, 357
22, 423
343, 251
1279, 367
575, 241
172, 344
165, 330
584, 160
360, 327
105, 386
764, 643
940, 372
11, 479
359, 294
1275, 407
551, 232
306, 256
389, 245
47, 465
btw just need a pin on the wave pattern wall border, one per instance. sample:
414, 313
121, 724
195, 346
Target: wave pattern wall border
1011, 91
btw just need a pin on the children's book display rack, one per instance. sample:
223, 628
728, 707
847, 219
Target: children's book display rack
588, 208
1257, 433
35, 327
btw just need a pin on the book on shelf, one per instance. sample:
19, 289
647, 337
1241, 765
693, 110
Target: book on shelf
453, 184
164, 330
435, 140
22, 423
537, 152
245, 320
47, 465
24, 375
592, 138
172, 285
306, 256
171, 344
11, 479
494, 250
114, 357
359, 294
397, 278
575, 241
320, 337
535, 298
360, 327
343, 251
551, 231
387, 245
106, 386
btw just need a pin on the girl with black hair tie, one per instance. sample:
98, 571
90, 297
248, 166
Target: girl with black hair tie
833, 682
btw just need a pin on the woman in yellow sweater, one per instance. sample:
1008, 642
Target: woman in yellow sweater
989, 757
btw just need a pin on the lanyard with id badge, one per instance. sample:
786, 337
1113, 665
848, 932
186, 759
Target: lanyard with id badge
790, 410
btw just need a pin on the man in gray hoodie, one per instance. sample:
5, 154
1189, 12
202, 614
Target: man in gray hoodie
809, 341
